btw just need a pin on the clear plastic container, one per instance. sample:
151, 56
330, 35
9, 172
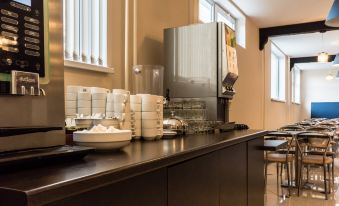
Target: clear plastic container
148, 79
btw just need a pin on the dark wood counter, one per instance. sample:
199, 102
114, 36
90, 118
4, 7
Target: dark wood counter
45, 185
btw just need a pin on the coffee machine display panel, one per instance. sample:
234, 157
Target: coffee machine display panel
22, 36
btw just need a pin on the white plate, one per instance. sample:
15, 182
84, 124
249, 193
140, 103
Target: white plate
135, 107
151, 116
99, 96
136, 115
107, 122
101, 110
84, 111
70, 112
85, 96
98, 103
71, 104
122, 135
135, 99
84, 104
71, 96
150, 124
104, 145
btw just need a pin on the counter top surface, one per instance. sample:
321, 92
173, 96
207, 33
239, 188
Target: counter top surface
65, 179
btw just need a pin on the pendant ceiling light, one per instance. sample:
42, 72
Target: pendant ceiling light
323, 56
336, 60
333, 17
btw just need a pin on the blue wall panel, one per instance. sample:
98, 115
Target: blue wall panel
328, 110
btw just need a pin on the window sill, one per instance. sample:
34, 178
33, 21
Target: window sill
296, 103
278, 100
88, 67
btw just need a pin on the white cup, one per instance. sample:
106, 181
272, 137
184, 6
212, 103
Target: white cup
71, 96
84, 111
100, 110
84, 96
71, 104
121, 91
84, 104
151, 107
136, 107
121, 98
151, 124
99, 96
151, 116
135, 99
136, 115
148, 134
99, 103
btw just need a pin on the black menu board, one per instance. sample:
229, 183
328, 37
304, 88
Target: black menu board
22, 36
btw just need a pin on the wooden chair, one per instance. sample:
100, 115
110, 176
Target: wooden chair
307, 158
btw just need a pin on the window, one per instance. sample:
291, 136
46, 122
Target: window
222, 16
85, 31
277, 75
214, 11
206, 9
296, 86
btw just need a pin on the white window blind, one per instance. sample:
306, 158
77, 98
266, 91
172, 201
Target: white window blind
85, 31
206, 9
277, 76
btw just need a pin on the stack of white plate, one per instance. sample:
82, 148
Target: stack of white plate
152, 117
122, 108
98, 100
71, 96
84, 104
136, 115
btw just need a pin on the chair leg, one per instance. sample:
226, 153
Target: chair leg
333, 173
277, 165
266, 163
292, 171
308, 173
288, 178
281, 173
300, 176
325, 182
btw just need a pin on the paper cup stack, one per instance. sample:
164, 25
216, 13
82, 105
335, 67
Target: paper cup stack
122, 108
136, 116
84, 103
152, 117
99, 96
71, 96
110, 105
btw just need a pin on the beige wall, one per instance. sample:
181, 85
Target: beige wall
247, 106
115, 48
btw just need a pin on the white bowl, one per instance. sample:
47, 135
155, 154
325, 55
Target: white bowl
71, 96
99, 96
98, 103
150, 124
103, 146
84, 104
135, 107
135, 99
85, 96
151, 115
71, 104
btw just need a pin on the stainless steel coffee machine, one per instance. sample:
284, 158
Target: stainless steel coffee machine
201, 64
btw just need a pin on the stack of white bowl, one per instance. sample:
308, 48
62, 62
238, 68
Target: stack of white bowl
110, 106
98, 100
71, 96
136, 116
84, 105
122, 108
152, 117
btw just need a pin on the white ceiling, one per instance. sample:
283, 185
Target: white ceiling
268, 13
304, 45
315, 66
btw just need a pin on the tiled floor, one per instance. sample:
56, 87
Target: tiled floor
307, 197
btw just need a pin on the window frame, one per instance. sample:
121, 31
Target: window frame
227, 15
296, 73
280, 77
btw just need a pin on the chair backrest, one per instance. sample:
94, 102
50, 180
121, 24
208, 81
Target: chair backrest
320, 128
304, 137
292, 128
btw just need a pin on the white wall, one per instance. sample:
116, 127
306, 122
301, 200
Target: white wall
315, 88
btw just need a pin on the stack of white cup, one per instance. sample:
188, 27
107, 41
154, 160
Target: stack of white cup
136, 116
98, 100
84, 105
110, 106
152, 117
122, 108
71, 96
